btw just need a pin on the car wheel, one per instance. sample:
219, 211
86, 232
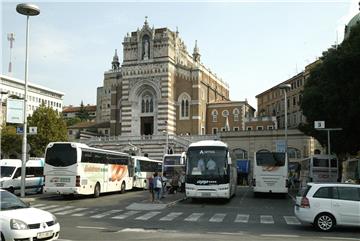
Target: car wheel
325, 222
97, 190
11, 189
122, 189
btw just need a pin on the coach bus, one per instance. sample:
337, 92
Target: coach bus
75, 168
319, 168
144, 168
270, 172
174, 166
210, 170
351, 171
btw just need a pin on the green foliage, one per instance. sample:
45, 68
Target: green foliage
10, 141
83, 113
50, 127
72, 121
332, 94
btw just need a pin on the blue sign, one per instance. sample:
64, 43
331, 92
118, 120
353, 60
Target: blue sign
19, 130
242, 166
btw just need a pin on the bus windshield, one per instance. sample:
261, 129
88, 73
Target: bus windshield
270, 159
207, 161
61, 155
6, 171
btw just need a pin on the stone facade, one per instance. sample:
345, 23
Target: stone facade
271, 101
159, 87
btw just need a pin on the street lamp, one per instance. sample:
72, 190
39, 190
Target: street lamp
27, 10
285, 87
1, 114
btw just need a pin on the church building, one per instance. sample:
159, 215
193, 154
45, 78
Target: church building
159, 87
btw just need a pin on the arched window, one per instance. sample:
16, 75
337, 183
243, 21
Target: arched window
147, 104
293, 153
184, 101
236, 113
214, 115
240, 153
263, 150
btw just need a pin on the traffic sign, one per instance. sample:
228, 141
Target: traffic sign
319, 124
19, 130
32, 130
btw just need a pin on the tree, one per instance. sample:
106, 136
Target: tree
50, 127
10, 141
72, 121
83, 113
332, 94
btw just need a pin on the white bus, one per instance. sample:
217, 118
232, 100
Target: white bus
210, 170
174, 166
351, 171
75, 168
270, 172
144, 168
319, 168
10, 175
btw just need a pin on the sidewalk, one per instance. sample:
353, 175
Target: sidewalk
167, 201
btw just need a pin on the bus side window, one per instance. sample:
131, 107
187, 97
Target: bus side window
17, 173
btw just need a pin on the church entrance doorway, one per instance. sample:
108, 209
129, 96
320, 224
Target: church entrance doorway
147, 125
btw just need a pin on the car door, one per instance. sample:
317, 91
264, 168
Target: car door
347, 205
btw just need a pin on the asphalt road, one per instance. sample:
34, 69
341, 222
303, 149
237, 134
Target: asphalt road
113, 217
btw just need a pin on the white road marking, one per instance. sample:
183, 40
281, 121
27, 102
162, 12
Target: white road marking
125, 215
101, 215
85, 213
71, 211
54, 210
266, 219
280, 235
194, 217
88, 227
291, 220
217, 218
171, 216
49, 207
147, 216
242, 218
38, 205
137, 230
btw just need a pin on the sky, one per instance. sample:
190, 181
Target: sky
251, 45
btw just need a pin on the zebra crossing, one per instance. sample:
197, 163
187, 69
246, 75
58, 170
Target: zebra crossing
166, 216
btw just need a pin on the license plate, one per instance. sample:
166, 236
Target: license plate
205, 194
44, 234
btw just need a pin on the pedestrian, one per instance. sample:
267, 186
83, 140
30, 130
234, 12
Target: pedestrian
182, 182
151, 188
157, 187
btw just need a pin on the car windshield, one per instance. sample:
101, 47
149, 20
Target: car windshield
9, 201
6, 171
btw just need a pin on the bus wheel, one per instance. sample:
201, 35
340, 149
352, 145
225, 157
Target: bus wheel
122, 189
97, 190
2, 237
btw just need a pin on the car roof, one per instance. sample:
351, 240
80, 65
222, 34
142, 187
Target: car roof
333, 185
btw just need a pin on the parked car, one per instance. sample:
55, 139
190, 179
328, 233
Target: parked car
19, 221
328, 204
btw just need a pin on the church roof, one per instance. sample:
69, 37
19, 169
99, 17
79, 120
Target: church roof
353, 22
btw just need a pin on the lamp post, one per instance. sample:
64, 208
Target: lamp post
27, 10
285, 87
1, 114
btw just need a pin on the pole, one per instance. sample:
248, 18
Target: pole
286, 138
328, 134
24, 141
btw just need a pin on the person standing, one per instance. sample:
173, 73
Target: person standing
157, 187
151, 189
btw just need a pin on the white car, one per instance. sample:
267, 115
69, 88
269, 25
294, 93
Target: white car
19, 221
328, 204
